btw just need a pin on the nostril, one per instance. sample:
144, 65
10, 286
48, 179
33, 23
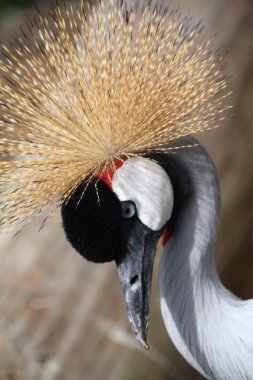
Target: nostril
134, 279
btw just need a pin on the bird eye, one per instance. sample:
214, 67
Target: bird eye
128, 210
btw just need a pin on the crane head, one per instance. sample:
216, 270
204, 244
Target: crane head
121, 218
84, 86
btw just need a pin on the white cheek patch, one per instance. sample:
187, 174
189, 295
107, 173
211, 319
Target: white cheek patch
147, 184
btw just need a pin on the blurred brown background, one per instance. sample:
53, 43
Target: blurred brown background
64, 318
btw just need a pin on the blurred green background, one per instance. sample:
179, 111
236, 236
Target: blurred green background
62, 318
7, 8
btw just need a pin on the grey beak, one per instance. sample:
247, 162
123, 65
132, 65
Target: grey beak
135, 268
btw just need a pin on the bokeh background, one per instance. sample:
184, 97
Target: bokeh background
62, 318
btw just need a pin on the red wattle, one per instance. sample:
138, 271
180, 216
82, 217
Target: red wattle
107, 175
165, 237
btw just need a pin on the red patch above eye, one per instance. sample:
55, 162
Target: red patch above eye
165, 237
107, 175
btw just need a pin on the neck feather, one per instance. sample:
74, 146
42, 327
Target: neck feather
211, 328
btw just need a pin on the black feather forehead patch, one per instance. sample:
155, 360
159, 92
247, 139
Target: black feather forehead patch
92, 223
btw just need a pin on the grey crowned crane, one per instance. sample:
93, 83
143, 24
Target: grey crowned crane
97, 105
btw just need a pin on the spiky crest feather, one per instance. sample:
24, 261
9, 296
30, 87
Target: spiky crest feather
90, 84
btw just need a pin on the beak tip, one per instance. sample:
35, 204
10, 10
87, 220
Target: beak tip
142, 341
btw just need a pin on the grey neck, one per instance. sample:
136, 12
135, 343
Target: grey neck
196, 211
190, 291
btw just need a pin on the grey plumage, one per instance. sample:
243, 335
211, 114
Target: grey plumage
211, 328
